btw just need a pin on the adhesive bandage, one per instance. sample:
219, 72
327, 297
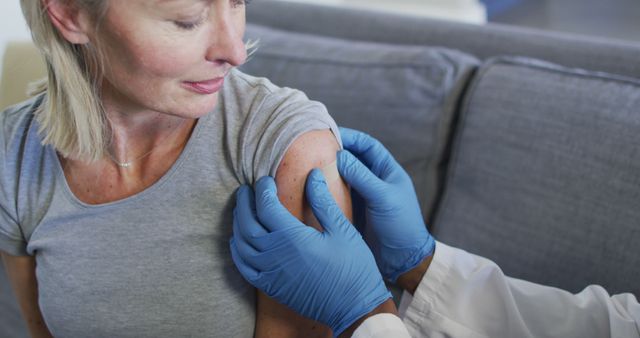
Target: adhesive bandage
330, 172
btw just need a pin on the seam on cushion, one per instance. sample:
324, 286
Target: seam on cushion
549, 67
302, 59
450, 171
445, 157
278, 32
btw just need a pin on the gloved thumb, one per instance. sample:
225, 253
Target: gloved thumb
323, 205
354, 172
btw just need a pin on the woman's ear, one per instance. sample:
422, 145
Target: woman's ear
72, 22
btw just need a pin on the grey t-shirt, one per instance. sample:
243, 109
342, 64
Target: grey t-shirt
156, 264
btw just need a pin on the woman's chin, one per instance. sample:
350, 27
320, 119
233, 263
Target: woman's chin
199, 107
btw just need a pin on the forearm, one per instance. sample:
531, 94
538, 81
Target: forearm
410, 280
21, 273
276, 320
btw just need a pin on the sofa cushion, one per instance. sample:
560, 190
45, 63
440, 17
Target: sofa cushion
482, 41
403, 95
545, 175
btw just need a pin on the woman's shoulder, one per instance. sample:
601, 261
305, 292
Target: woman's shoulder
16, 123
250, 92
267, 119
243, 81
17, 118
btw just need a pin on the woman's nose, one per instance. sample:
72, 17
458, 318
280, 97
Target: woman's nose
226, 43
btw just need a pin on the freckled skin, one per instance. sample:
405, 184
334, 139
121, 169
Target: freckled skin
314, 149
149, 57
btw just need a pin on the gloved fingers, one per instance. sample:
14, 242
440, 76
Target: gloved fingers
322, 204
349, 137
368, 150
245, 248
245, 214
360, 144
248, 272
273, 215
361, 179
259, 261
359, 212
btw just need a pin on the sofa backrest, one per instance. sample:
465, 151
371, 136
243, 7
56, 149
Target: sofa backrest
544, 176
482, 41
532, 164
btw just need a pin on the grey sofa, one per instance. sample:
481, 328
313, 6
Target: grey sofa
523, 145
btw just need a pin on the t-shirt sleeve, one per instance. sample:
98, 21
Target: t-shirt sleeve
284, 116
11, 239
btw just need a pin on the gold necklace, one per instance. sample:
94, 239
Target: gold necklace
128, 164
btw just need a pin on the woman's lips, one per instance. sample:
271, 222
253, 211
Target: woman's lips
204, 87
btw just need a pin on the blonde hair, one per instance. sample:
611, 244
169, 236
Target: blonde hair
71, 117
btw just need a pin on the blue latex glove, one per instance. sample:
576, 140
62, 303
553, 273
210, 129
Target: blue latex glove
400, 238
328, 276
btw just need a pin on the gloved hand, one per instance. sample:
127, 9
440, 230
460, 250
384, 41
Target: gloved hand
328, 276
401, 240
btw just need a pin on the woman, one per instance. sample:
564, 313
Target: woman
117, 179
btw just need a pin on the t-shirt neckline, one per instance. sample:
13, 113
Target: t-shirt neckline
184, 155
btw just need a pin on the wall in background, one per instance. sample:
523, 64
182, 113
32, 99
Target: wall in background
12, 25
617, 19
471, 11
611, 18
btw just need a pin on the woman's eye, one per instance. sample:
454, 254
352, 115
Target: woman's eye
237, 3
188, 25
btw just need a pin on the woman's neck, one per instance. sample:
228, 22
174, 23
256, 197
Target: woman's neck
136, 130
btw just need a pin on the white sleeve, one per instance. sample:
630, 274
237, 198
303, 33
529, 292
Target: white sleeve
383, 325
463, 295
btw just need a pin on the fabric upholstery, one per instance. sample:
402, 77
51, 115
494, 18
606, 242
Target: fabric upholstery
482, 41
545, 175
403, 96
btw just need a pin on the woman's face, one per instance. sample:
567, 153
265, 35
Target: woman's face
170, 56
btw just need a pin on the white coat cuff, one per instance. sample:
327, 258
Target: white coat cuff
420, 312
382, 325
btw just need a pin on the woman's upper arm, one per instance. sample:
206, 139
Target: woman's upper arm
315, 149
21, 271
